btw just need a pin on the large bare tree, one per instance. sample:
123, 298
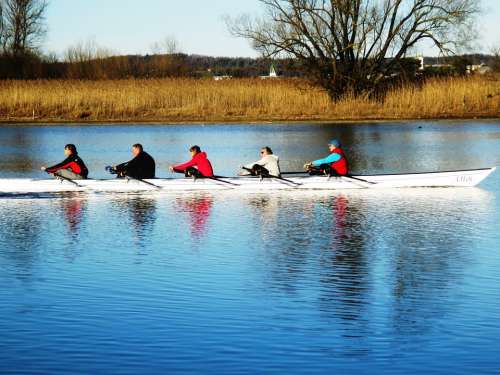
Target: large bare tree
354, 45
2, 33
22, 25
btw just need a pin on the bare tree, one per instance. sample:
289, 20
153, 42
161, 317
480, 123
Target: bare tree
2, 33
85, 51
88, 60
23, 26
167, 59
168, 45
354, 45
495, 51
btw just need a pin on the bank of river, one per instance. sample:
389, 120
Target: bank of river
239, 100
367, 282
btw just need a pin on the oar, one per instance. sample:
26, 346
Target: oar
218, 178
111, 170
214, 178
359, 179
281, 179
72, 181
143, 181
276, 177
285, 179
68, 179
346, 176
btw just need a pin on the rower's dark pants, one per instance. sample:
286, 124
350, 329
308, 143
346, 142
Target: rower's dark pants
190, 172
258, 170
322, 170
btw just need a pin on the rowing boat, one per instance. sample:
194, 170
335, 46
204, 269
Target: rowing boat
463, 178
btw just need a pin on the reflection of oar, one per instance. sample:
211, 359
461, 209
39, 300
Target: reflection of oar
275, 177
113, 171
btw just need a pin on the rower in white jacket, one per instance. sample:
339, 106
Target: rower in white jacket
268, 165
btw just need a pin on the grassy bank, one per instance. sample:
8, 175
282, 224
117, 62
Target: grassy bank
176, 100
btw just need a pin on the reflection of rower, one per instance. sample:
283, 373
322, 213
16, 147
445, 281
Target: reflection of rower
198, 208
267, 165
333, 164
198, 166
140, 167
72, 168
73, 210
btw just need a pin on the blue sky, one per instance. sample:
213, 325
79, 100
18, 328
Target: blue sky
131, 26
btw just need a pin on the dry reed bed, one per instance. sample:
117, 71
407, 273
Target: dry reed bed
237, 100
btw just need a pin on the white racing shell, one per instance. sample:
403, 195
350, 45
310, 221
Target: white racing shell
462, 178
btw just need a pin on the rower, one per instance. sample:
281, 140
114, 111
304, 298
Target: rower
332, 165
267, 165
198, 166
142, 165
72, 167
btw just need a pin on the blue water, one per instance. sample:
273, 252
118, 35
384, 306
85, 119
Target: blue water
366, 282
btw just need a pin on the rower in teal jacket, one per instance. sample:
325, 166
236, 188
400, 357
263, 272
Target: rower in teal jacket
335, 163
332, 158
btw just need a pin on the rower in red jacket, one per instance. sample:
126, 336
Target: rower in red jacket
198, 166
334, 164
72, 167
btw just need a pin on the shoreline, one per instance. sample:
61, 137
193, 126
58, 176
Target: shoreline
187, 122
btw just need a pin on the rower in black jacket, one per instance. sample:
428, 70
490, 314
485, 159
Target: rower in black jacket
142, 166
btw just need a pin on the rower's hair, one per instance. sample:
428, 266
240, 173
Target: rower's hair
195, 148
139, 146
70, 147
268, 150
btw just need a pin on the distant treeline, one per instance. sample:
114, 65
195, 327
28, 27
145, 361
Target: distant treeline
135, 66
87, 66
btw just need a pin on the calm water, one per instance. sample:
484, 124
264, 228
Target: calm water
397, 281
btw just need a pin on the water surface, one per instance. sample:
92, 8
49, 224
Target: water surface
396, 281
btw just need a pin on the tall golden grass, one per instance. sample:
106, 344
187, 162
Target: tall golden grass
178, 100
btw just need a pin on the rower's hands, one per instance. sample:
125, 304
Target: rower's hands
307, 166
171, 168
44, 169
241, 173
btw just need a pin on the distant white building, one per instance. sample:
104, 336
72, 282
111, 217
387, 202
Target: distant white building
272, 73
479, 69
222, 78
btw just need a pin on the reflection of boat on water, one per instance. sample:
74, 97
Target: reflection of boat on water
198, 209
407, 247
73, 212
141, 213
462, 178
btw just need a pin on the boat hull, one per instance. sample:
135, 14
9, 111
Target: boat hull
465, 178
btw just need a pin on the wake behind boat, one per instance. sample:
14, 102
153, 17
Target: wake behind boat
460, 178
